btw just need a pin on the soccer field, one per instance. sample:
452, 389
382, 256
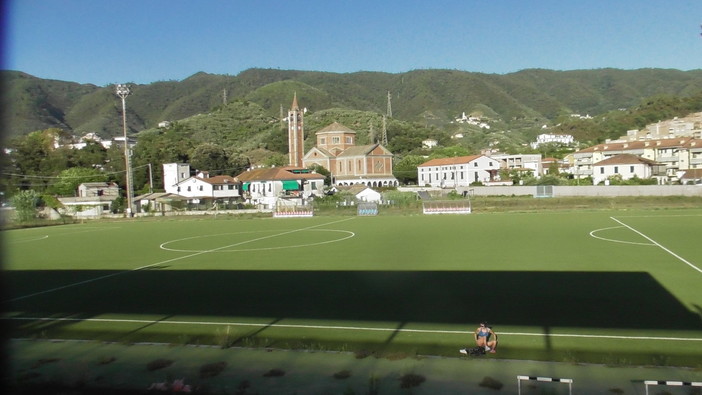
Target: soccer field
592, 286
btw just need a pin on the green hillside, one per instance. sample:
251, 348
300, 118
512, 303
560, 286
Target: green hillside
516, 101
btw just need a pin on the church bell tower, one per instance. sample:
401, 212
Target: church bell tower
296, 142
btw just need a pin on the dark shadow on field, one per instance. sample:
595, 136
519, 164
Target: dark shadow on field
543, 299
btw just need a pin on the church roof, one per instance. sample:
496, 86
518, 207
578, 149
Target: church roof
294, 103
336, 127
359, 150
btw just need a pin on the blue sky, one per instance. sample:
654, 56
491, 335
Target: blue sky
142, 41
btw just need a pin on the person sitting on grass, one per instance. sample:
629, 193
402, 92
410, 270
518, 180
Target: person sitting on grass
485, 337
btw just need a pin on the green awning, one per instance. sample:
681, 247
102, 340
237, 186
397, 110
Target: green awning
290, 185
245, 187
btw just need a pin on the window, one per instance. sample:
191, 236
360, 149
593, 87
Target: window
336, 140
475, 164
230, 187
178, 189
188, 188
601, 170
631, 169
323, 141
616, 169
314, 185
348, 140
200, 187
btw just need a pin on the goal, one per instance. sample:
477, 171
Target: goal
446, 206
544, 380
672, 384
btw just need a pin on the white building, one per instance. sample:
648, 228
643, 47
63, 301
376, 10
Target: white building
522, 162
201, 187
627, 166
549, 138
429, 143
675, 153
93, 200
458, 171
267, 185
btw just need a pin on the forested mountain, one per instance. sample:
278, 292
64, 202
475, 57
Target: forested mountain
515, 101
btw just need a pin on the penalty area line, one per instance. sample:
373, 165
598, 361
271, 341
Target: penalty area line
659, 245
347, 328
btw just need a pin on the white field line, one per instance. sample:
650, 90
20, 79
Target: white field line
347, 328
172, 260
659, 245
615, 240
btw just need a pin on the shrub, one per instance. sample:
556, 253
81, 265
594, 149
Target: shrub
212, 369
489, 382
344, 374
274, 373
158, 364
411, 380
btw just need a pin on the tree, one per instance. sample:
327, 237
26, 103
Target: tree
70, 179
323, 171
25, 203
449, 152
210, 157
238, 163
406, 169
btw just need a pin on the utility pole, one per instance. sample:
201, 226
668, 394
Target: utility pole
151, 180
224, 96
389, 111
122, 91
384, 140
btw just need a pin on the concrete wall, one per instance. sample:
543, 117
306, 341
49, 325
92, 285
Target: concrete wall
590, 190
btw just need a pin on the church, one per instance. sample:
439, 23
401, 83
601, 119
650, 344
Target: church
336, 151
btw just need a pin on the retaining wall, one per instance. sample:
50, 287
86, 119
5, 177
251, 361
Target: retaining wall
587, 190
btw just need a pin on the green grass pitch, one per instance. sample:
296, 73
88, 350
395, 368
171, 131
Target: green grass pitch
592, 286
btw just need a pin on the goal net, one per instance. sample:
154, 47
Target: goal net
367, 209
283, 210
446, 206
549, 385
543, 191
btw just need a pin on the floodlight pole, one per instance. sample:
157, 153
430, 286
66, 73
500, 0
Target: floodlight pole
122, 91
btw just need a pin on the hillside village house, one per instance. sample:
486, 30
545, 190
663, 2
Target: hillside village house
94, 199
524, 163
627, 166
681, 153
458, 171
200, 188
269, 186
348, 163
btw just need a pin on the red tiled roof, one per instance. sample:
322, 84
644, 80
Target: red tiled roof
625, 159
277, 174
217, 180
450, 161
